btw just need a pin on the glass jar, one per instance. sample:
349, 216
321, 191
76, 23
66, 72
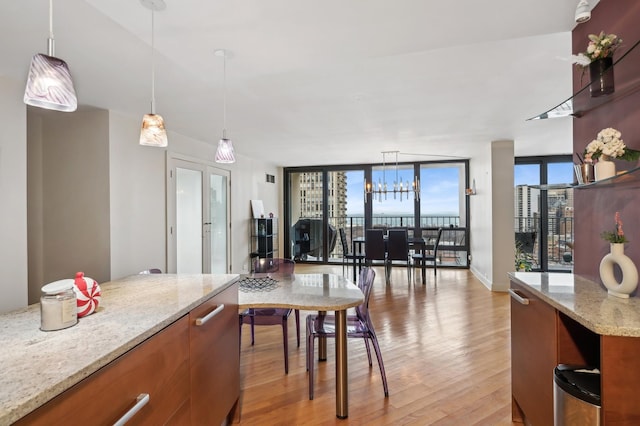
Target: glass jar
58, 306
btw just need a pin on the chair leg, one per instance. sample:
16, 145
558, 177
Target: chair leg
366, 345
310, 355
376, 348
285, 337
296, 313
253, 326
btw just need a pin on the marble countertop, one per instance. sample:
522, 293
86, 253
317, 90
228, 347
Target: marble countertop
37, 365
585, 301
312, 292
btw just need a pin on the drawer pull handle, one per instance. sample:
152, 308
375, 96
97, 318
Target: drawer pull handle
520, 299
216, 311
141, 401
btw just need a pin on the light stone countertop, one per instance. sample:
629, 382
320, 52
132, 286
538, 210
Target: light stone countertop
36, 365
311, 292
585, 301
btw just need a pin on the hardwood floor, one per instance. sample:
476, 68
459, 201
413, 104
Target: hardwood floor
446, 350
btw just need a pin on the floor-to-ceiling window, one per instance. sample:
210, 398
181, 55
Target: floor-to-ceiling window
319, 201
543, 213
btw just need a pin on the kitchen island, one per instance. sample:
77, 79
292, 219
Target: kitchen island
561, 318
41, 367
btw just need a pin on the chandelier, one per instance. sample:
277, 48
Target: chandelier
382, 188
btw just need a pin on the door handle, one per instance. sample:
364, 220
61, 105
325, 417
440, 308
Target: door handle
522, 300
141, 401
216, 311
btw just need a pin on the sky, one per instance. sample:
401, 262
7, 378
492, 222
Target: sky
439, 194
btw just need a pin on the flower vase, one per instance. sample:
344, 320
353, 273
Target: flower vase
604, 168
601, 73
629, 272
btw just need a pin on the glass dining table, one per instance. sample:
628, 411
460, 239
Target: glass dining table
310, 292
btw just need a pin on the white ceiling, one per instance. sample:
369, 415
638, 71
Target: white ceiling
318, 82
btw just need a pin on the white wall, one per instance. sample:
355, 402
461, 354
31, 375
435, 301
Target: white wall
13, 196
137, 199
481, 245
502, 165
491, 209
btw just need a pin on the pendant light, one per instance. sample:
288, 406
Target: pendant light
224, 153
49, 83
153, 132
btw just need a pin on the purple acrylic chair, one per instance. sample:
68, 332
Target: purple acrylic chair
358, 325
272, 316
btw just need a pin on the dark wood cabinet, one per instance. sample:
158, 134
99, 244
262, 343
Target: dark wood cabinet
215, 359
158, 367
190, 371
533, 357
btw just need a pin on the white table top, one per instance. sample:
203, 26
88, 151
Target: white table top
313, 292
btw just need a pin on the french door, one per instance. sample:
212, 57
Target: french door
198, 216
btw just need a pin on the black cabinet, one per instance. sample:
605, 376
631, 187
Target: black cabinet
264, 239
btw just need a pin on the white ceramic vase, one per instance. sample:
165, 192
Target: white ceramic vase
629, 272
604, 168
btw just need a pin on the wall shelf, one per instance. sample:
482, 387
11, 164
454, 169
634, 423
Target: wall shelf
581, 102
621, 176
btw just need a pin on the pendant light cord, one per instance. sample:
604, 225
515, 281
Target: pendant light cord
153, 65
50, 43
224, 96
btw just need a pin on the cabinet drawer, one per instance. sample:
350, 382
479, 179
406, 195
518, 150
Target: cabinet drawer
533, 356
215, 358
158, 367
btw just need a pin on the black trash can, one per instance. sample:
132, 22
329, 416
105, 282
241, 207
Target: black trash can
576, 396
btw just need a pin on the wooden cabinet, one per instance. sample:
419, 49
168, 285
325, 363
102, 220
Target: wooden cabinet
190, 371
158, 367
215, 358
533, 357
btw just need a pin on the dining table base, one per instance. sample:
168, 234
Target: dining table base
342, 383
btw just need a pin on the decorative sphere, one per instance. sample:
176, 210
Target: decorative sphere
88, 294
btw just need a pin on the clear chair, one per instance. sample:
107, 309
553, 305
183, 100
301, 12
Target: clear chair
272, 316
398, 251
430, 255
151, 271
358, 326
347, 255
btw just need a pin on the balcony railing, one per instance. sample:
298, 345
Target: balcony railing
452, 251
559, 239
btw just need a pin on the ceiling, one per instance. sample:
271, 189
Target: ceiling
310, 82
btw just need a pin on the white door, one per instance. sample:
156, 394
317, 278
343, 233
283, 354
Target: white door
198, 218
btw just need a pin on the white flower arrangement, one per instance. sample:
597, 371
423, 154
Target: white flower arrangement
600, 46
609, 143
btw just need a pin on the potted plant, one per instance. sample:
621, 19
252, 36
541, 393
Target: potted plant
599, 59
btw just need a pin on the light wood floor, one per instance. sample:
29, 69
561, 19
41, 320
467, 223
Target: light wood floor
446, 350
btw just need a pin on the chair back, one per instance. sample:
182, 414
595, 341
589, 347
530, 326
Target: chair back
343, 240
365, 283
374, 245
151, 271
397, 245
270, 264
437, 242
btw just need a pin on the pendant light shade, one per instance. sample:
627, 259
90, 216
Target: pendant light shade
224, 153
153, 132
49, 83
